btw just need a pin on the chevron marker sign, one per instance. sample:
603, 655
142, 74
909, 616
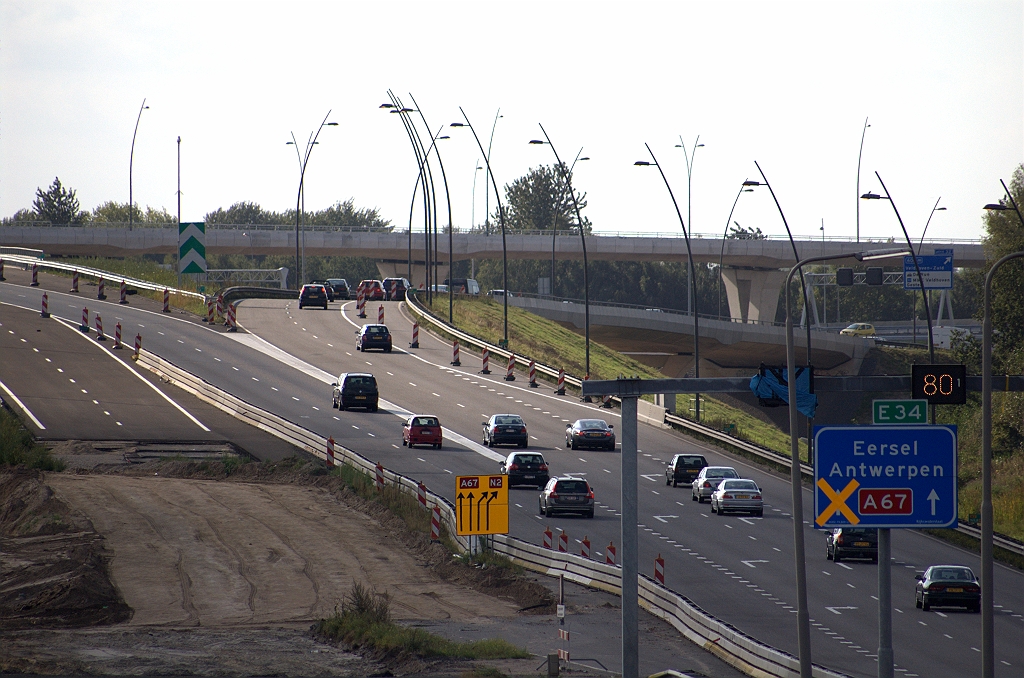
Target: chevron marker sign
192, 247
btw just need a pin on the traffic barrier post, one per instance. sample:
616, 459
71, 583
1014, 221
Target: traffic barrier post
74, 282
455, 353
563, 655
35, 275
220, 305
85, 321
124, 293
380, 314
563, 542
99, 328
547, 537
421, 494
138, 346
659, 570
585, 547
231, 323
330, 451
167, 301
609, 554
117, 336
45, 313
435, 524
510, 372
361, 304
606, 401
209, 311
415, 336
560, 388
486, 358
101, 287
2, 270
380, 477
533, 374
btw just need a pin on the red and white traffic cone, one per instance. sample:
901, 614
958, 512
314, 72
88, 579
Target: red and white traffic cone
415, 336
510, 374
138, 346
560, 388
361, 304
379, 477
486, 357
85, 321
563, 543
117, 336
101, 290
585, 547
533, 374
421, 494
74, 282
220, 305
124, 293
2, 270
209, 311
330, 452
380, 314
45, 313
547, 537
659, 570
35, 275
455, 353
99, 328
609, 554
435, 524
167, 301
231, 323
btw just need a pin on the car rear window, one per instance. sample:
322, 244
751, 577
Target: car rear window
424, 421
593, 423
360, 381
740, 485
572, 486
509, 420
721, 473
377, 330
692, 462
528, 459
954, 574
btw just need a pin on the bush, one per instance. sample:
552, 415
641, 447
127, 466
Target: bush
17, 447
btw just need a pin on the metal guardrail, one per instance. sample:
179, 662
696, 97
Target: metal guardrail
21, 251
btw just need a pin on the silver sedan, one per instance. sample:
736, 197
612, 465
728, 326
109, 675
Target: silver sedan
737, 495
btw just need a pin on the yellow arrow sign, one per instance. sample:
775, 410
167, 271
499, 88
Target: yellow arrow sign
481, 505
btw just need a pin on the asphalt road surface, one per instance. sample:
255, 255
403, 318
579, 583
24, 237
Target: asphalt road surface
736, 568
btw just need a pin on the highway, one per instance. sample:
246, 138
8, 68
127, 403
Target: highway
736, 568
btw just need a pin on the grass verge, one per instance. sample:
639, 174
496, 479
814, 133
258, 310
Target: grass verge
18, 448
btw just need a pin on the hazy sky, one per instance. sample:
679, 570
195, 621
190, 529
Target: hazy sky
788, 84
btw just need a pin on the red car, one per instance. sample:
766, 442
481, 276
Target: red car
372, 290
421, 429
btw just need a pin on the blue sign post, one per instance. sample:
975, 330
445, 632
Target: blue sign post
936, 270
891, 476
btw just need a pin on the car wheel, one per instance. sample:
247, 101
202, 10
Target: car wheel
387, 350
835, 555
572, 444
674, 483
404, 443
341, 405
693, 497
925, 605
759, 514
828, 553
523, 445
373, 408
437, 446
540, 508
713, 506
974, 608
667, 481
567, 443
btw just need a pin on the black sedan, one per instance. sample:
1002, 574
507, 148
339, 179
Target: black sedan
505, 429
595, 433
374, 336
953, 585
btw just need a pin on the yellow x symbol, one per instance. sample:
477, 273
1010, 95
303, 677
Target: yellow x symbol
838, 502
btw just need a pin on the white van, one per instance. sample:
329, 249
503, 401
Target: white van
464, 285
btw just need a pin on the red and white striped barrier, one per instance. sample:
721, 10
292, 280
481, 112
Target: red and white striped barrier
2, 270
415, 336
421, 494
45, 313
220, 305
117, 336
533, 374
330, 451
455, 353
547, 537
380, 314
85, 321
138, 346
379, 477
510, 372
74, 282
486, 358
563, 655
361, 304
659, 570
35, 275
99, 328
609, 554
563, 634
560, 388
585, 547
209, 310
563, 543
231, 323
124, 293
435, 524
167, 301
101, 289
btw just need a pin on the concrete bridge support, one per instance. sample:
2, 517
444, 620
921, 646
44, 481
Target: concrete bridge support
753, 294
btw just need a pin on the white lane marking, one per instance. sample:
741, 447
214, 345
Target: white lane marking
27, 411
273, 388
460, 404
844, 565
254, 379
412, 384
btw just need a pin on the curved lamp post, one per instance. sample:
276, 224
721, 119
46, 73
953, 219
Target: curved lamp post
859, 154
796, 484
721, 256
690, 159
554, 219
987, 569
566, 176
501, 217
487, 190
131, 163
300, 268
693, 278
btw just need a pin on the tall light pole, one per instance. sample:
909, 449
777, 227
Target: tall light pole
690, 159
487, 190
988, 647
859, 154
693, 278
725, 235
300, 265
554, 218
567, 177
131, 163
501, 217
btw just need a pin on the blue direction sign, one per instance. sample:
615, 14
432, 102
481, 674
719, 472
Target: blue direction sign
885, 476
936, 270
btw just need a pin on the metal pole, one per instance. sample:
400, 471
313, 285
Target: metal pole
487, 189
859, 154
885, 656
629, 542
131, 163
177, 251
725, 235
691, 289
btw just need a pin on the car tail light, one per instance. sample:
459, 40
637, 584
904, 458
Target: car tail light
543, 467
553, 495
513, 467
971, 589
494, 430
757, 496
936, 587
523, 430
591, 494
839, 540
727, 496
707, 484
607, 434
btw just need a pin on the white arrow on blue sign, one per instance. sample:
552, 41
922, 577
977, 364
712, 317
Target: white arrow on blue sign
891, 476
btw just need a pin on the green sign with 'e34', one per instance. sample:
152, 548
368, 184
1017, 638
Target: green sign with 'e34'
899, 411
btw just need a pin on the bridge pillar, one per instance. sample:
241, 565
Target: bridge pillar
753, 294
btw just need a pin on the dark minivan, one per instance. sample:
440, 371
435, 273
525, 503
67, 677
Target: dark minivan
355, 389
684, 469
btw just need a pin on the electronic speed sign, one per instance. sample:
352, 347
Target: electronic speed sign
939, 384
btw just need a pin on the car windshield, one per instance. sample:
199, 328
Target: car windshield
953, 574
692, 462
738, 485
572, 486
721, 473
593, 423
509, 419
360, 381
528, 459
424, 421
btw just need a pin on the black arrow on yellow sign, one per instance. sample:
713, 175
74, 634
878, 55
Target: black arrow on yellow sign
469, 505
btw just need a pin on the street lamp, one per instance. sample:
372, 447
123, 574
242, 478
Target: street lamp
859, 154
693, 278
796, 484
487, 190
300, 198
131, 162
567, 177
501, 217
690, 159
721, 256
